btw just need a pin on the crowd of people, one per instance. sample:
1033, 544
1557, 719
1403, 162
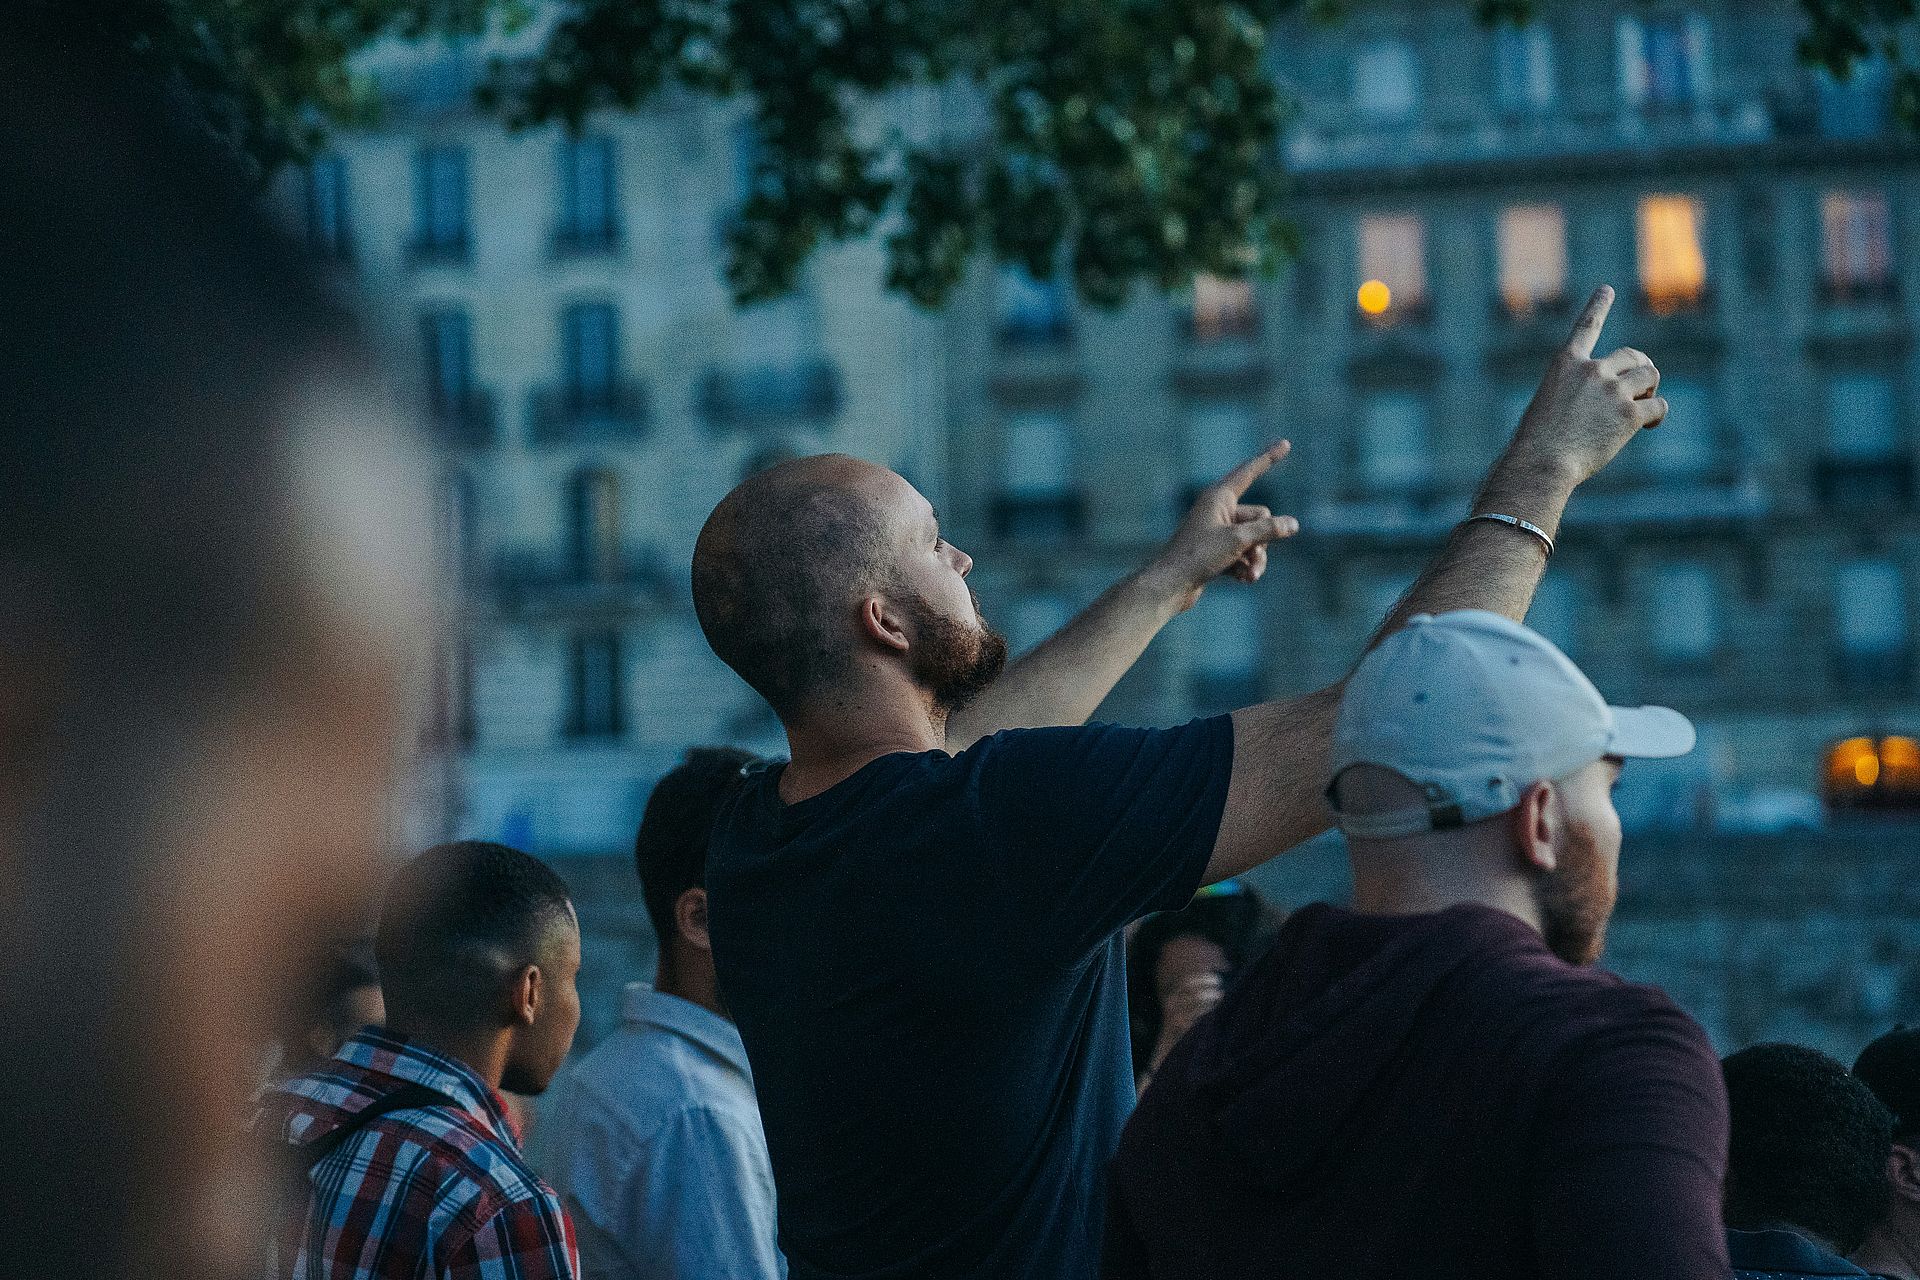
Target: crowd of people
893, 1031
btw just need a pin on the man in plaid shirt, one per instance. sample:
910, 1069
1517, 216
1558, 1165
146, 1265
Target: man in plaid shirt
401, 1159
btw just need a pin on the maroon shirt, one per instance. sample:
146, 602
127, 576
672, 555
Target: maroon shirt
1432, 1095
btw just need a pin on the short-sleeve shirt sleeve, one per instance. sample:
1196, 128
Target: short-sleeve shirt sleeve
1089, 828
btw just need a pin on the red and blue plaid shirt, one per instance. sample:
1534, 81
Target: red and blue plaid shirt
431, 1191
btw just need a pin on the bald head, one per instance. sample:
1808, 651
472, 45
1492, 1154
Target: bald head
782, 564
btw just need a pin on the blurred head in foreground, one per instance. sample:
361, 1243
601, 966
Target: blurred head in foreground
1473, 762
1890, 1066
1807, 1150
210, 611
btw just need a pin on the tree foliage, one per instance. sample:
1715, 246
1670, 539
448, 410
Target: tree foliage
1118, 141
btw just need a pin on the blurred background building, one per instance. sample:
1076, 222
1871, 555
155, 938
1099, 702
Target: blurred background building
1461, 189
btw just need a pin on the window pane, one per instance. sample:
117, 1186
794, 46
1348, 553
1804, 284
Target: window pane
586, 171
1219, 438
1686, 613
1393, 252
1555, 612
1038, 458
1858, 107
591, 335
1395, 448
327, 204
1221, 308
1386, 80
1031, 309
1673, 266
1533, 256
449, 354
442, 197
1858, 240
1682, 447
596, 684
1523, 67
1863, 418
1664, 60
1870, 608
595, 519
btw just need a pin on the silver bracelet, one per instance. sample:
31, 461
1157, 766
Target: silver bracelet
1546, 539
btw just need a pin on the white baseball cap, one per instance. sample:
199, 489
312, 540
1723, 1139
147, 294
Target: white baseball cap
1474, 708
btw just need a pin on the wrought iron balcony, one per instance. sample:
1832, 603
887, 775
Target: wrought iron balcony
1026, 517
568, 580
1838, 292
615, 411
580, 241
445, 251
743, 397
1864, 482
464, 420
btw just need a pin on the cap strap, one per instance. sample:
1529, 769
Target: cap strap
1396, 823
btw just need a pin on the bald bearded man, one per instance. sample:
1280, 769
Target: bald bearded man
916, 922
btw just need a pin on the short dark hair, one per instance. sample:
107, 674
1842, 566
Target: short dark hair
774, 561
1808, 1147
1236, 918
455, 920
1890, 1066
670, 852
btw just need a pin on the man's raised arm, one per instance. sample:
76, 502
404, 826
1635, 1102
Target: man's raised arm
1064, 679
1582, 416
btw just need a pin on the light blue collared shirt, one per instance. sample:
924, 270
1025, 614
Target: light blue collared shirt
654, 1143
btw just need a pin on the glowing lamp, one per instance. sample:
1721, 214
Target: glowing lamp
1375, 297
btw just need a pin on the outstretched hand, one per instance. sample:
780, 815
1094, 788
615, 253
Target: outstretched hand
1223, 535
1586, 410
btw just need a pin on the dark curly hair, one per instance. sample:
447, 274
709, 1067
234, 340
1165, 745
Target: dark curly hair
1233, 916
1808, 1148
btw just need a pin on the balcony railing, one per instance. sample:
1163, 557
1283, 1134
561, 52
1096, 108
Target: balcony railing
616, 411
1033, 517
445, 251
1864, 482
586, 240
464, 420
1035, 328
1890, 671
740, 397
1839, 292
568, 580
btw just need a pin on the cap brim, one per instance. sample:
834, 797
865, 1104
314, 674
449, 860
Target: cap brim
1650, 733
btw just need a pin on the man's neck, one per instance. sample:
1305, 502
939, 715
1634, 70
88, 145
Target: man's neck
851, 728
688, 974
1386, 892
1891, 1251
483, 1053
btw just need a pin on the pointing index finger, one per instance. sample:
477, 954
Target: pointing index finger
1241, 478
1586, 330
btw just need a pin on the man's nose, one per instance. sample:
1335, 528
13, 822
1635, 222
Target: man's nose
962, 561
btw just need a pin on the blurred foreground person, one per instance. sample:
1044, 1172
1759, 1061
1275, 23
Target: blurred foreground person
1806, 1163
917, 923
212, 557
1437, 1083
1890, 1066
403, 1164
1180, 963
653, 1140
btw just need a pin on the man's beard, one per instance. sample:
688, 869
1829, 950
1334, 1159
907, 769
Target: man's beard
1575, 904
952, 661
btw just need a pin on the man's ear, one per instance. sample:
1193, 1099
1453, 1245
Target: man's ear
690, 918
524, 994
1536, 825
883, 624
1903, 1171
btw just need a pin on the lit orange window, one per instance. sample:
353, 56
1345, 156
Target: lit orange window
1393, 267
1673, 266
1222, 308
1864, 774
1900, 764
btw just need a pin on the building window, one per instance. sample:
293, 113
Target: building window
440, 203
326, 206
596, 706
1684, 447
1386, 80
447, 338
589, 210
1862, 773
1524, 79
1685, 621
1223, 641
1533, 258
1870, 623
1857, 239
593, 525
1665, 61
1032, 311
1035, 619
1219, 437
1396, 447
1865, 462
1555, 612
1859, 106
1038, 498
1222, 309
590, 341
1673, 265
1393, 267
460, 525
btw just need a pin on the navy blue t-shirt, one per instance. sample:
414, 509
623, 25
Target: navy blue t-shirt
925, 964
